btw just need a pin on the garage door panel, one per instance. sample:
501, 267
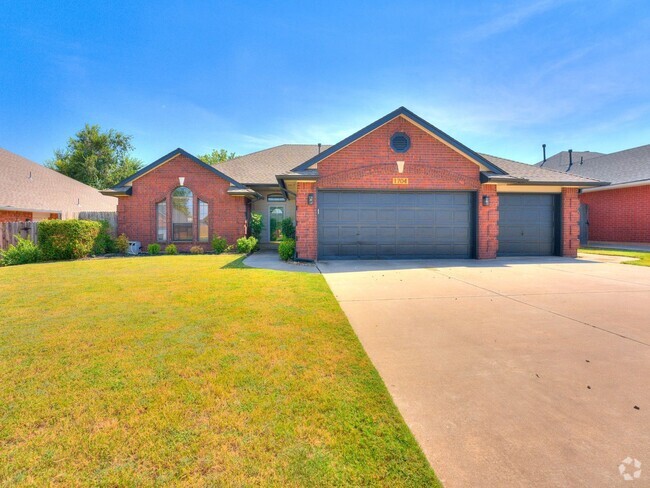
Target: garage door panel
395, 224
527, 224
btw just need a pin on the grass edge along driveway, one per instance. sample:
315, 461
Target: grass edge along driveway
172, 369
642, 258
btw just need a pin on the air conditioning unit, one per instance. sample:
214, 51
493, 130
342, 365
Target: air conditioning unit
134, 247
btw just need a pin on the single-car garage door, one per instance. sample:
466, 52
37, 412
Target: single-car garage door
395, 225
527, 224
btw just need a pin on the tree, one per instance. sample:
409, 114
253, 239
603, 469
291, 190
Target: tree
216, 156
96, 158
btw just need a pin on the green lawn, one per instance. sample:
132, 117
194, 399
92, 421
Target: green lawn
642, 258
175, 370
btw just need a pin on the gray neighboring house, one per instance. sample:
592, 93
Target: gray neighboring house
29, 191
619, 211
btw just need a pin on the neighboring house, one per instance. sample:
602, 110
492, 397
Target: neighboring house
29, 191
399, 188
620, 211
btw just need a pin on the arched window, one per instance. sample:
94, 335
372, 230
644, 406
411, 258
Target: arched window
182, 214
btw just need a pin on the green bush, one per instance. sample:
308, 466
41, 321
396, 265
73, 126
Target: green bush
122, 243
288, 229
24, 252
287, 249
219, 244
153, 249
67, 239
104, 242
255, 225
171, 250
246, 245
196, 250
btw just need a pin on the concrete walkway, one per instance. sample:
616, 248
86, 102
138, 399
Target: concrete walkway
511, 372
271, 260
621, 246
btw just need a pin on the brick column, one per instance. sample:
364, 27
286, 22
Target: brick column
306, 222
570, 222
488, 223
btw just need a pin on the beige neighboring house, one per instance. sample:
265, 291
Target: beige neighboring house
29, 191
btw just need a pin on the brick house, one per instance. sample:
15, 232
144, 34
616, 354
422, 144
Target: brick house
398, 188
618, 211
29, 191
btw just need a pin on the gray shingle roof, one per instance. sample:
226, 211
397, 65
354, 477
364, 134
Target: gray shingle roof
625, 166
260, 168
560, 161
46, 190
534, 174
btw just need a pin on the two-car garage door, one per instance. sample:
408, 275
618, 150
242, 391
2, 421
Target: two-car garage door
390, 225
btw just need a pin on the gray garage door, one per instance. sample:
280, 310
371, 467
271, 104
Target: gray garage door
526, 225
394, 225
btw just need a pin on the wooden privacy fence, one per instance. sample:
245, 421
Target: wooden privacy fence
110, 217
9, 231
29, 230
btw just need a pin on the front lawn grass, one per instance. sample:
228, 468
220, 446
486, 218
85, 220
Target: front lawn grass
642, 258
174, 370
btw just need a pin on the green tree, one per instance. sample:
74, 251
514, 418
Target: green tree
216, 156
96, 158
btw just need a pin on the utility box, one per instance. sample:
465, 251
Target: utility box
134, 247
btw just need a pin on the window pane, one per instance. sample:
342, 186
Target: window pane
182, 214
203, 221
276, 214
161, 221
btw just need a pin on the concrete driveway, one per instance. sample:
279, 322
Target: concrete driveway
528, 372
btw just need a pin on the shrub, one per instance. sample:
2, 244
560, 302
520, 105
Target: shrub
288, 229
287, 249
23, 252
196, 250
219, 244
67, 239
153, 249
171, 250
122, 243
255, 225
104, 242
246, 245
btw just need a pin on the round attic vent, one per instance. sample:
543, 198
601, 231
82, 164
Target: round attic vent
400, 142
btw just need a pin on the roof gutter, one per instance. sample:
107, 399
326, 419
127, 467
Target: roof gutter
34, 210
617, 186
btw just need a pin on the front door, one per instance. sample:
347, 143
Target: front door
276, 215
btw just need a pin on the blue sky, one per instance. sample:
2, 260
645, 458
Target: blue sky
501, 77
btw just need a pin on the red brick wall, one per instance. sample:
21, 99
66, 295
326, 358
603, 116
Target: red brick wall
570, 222
619, 215
370, 163
136, 215
12, 216
488, 223
306, 222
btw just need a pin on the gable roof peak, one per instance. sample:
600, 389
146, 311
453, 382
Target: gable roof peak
403, 111
176, 152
